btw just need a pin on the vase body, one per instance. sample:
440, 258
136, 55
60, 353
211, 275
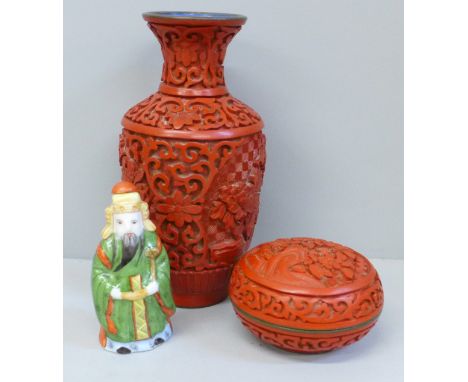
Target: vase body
197, 156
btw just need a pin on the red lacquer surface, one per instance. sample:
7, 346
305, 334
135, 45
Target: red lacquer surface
306, 295
197, 156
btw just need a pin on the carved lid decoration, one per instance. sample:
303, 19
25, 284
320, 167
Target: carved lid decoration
306, 284
308, 267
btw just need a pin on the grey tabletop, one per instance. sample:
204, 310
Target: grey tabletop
210, 344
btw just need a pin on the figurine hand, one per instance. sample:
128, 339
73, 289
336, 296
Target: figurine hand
116, 294
152, 288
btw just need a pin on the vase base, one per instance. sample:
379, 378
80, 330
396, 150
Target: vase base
201, 300
192, 289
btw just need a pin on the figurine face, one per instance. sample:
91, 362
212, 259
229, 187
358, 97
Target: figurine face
128, 226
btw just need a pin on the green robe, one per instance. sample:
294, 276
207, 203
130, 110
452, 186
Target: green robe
123, 320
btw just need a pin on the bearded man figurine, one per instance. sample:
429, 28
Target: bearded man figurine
131, 277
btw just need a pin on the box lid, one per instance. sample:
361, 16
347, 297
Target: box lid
307, 284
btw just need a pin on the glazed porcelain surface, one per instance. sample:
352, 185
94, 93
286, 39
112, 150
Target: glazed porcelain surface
306, 295
130, 277
196, 155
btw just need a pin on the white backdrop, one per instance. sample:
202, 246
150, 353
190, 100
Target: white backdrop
326, 76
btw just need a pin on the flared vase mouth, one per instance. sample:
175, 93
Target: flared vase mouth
194, 18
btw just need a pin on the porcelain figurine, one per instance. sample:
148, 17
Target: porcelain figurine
131, 277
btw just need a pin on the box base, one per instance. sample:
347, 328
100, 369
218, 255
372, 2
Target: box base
305, 343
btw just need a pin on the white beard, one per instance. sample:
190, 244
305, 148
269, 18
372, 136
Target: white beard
130, 243
130, 240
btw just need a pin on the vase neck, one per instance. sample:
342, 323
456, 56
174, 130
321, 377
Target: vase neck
193, 55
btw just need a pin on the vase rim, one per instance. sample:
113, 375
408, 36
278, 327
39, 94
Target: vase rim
198, 18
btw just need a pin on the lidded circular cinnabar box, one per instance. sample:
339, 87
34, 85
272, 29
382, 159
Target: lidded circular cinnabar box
306, 295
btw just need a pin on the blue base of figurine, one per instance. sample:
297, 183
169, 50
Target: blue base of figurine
139, 346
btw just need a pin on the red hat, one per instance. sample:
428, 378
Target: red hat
124, 187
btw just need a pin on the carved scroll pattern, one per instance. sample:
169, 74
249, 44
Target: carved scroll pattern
192, 114
176, 178
193, 56
303, 343
257, 300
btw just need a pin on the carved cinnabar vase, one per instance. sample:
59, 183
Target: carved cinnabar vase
197, 155
306, 295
